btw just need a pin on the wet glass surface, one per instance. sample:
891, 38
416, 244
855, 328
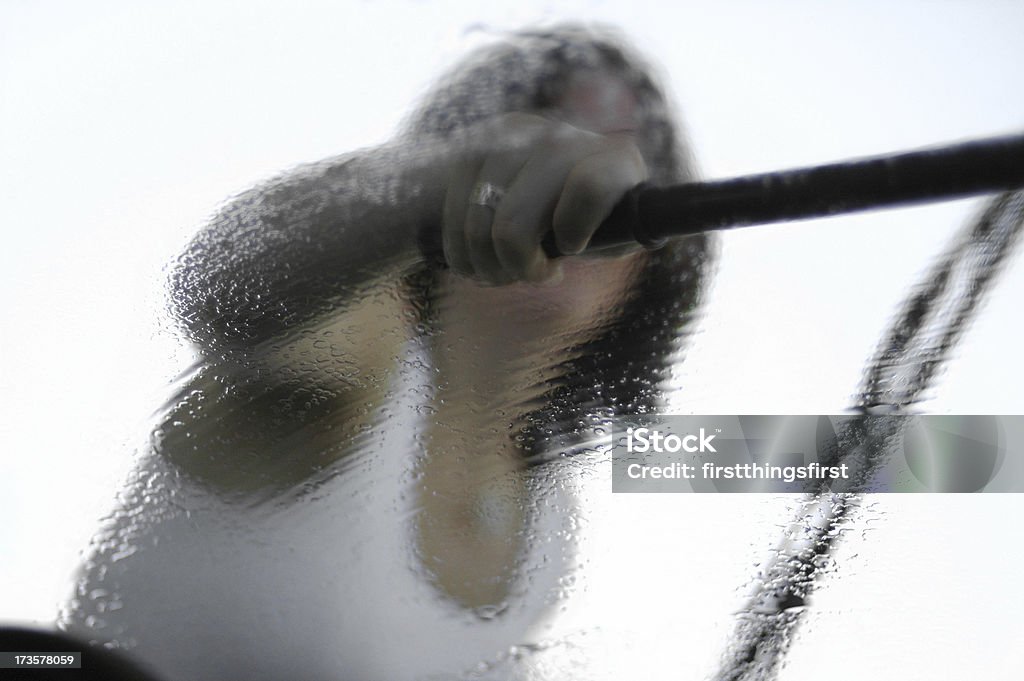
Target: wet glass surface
414, 485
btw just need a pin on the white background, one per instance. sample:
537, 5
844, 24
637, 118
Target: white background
124, 124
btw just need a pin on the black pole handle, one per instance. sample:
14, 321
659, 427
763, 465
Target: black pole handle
651, 215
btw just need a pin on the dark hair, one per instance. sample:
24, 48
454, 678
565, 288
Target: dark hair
622, 369
528, 72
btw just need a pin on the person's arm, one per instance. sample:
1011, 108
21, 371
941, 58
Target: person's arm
300, 245
295, 246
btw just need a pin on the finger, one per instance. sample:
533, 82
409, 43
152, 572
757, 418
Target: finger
498, 171
453, 237
480, 246
525, 213
591, 191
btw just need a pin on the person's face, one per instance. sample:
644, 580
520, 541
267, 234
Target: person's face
601, 102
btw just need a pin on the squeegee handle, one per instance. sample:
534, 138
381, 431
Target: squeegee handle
651, 215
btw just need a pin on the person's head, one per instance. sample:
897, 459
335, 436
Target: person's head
590, 78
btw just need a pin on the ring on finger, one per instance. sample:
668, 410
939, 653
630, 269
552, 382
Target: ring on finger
486, 194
